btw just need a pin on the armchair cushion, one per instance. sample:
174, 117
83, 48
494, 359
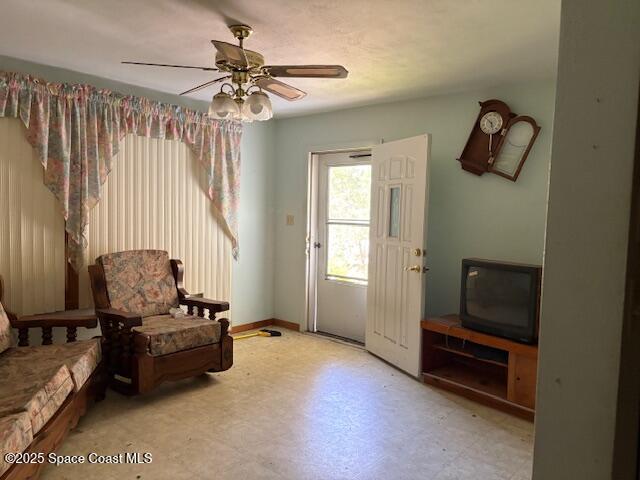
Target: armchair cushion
81, 358
15, 436
35, 388
163, 334
140, 281
5, 330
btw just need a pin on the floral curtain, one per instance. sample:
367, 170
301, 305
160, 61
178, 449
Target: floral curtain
76, 131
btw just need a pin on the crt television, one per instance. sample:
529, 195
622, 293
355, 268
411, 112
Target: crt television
501, 299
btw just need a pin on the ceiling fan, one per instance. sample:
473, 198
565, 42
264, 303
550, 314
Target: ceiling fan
246, 71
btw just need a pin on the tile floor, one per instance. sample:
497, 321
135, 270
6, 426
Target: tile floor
301, 407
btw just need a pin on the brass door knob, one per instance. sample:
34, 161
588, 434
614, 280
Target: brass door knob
414, 268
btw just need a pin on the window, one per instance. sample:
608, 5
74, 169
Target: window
348, 211
394, 212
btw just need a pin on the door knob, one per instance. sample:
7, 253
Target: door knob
414, 268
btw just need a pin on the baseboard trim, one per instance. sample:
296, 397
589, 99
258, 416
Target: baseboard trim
284, 324
251, 326
266, 323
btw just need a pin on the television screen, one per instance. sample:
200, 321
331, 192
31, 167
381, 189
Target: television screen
499, 296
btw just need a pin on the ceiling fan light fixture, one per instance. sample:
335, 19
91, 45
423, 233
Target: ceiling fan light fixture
257, 106
223, 107
246, 69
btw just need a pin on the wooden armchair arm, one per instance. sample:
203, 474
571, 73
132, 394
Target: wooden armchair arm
214, 306
194, 300
125, 319
70, 319
84, 318
197, 301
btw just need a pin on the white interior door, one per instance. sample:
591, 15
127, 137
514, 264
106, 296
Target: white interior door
342, 243
398, 234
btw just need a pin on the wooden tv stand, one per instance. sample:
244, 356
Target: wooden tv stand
456, 359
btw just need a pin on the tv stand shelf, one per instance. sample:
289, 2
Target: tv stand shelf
504, 376
465, 352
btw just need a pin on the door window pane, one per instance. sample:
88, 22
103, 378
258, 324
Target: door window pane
349, 192
348, 252
394, 212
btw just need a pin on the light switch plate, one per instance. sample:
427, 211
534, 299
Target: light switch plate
289, 219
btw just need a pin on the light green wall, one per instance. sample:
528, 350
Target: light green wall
252, 284
488, 216
252, 287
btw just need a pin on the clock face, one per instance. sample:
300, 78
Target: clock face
491, 122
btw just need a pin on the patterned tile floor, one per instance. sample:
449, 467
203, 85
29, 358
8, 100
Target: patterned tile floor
300, 407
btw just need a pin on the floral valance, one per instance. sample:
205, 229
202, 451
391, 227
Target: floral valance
76, 131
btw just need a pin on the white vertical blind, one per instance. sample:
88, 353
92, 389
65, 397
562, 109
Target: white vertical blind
155, 198
31, 228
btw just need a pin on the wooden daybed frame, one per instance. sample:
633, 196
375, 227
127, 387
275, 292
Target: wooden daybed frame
49, 438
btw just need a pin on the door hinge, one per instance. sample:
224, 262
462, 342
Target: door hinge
316, 245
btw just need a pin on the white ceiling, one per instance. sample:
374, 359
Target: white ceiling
393, 49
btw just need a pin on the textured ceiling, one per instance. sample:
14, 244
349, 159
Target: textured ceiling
392, 49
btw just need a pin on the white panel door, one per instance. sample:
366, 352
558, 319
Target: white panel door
398, 234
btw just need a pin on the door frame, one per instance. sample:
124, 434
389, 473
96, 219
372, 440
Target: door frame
313, 185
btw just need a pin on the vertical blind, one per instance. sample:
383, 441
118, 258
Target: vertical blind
31, 228
155, 198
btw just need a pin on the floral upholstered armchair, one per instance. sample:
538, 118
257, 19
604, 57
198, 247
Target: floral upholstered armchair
148, 339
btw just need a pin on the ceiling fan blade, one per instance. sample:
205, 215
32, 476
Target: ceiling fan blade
308, 71
207, 69
205, 85
233, 53
279, 88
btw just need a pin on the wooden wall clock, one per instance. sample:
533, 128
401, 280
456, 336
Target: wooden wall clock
484, 140
500, 141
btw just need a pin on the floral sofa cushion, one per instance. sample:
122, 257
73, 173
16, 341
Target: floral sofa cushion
15, 436
163, 334
5, 330
37, 388
140, 281
81, 358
